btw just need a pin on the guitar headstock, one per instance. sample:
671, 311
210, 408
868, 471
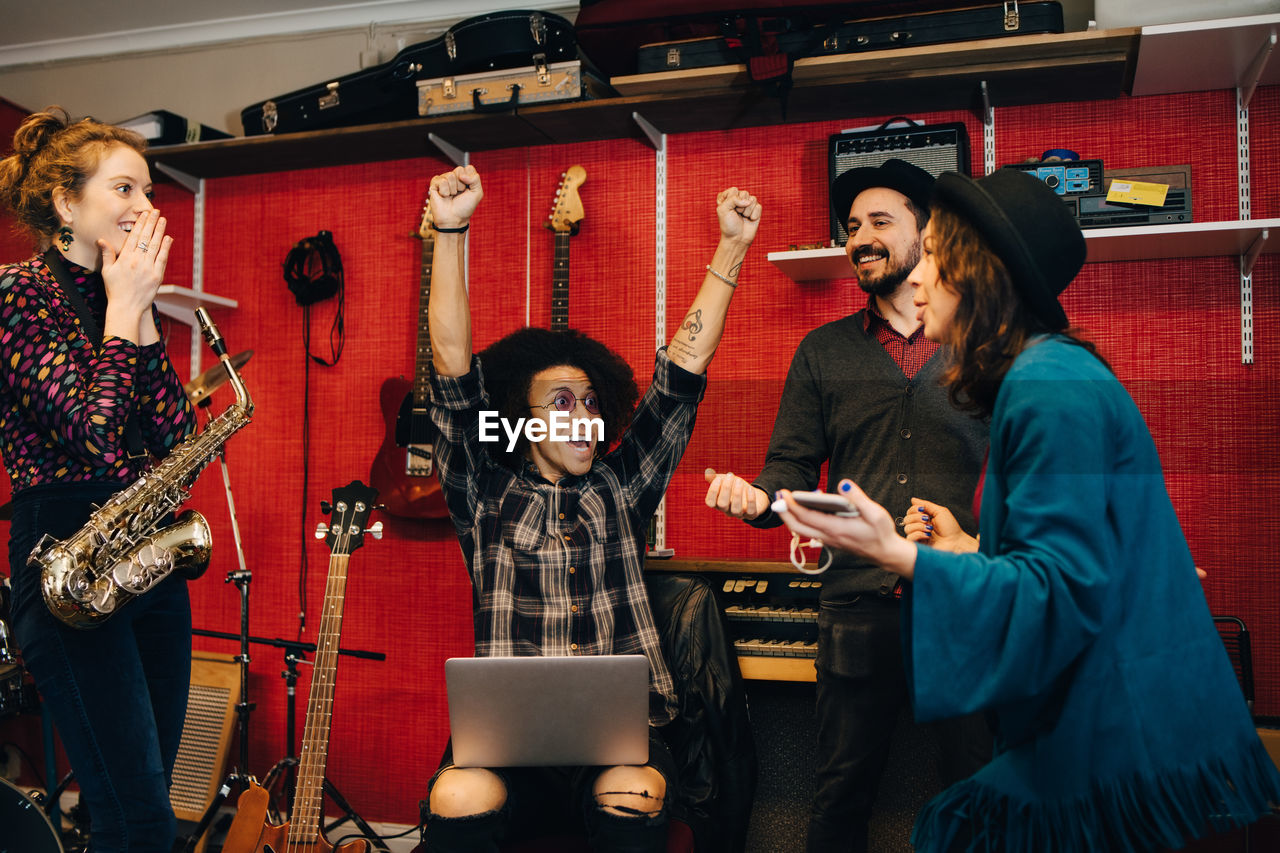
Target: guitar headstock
425, 231
566, 210
351, 507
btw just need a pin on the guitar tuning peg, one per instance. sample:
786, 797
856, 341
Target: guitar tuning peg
375, 530
326, 507
322, 530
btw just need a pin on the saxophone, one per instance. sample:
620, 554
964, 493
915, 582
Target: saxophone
119, 554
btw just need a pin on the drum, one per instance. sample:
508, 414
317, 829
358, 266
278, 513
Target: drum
26, 827
13, 692
12, 699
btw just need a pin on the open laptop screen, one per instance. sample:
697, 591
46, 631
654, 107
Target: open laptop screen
546, 711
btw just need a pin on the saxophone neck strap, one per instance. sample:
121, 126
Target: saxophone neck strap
53, 260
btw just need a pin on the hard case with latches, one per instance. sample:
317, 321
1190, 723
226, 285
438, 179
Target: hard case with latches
388, 92
500, 91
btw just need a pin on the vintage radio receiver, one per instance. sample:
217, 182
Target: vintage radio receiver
1092, 210
936, 148
1066, 177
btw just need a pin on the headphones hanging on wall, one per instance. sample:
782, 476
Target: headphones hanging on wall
313, 269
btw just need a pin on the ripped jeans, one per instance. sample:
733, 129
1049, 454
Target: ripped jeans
555, 801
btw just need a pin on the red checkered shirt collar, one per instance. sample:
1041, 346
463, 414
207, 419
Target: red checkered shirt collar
909, 352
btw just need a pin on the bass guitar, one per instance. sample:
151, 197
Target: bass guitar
566, 217
251, 831
403, 471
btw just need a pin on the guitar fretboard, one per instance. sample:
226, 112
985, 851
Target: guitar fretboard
560, 283
304, 824
422, 356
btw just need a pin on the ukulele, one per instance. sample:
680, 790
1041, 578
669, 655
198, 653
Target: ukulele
250, 831
402, 470
566, 216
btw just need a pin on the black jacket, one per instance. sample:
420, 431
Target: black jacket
711, 736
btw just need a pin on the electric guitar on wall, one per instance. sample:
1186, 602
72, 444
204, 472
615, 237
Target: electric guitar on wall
402, 470
250, 831
566, 216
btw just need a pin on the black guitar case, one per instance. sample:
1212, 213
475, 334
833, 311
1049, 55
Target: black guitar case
388, 92
798, 39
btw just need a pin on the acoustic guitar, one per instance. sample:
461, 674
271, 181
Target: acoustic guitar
566, 217
402, 471
251, 831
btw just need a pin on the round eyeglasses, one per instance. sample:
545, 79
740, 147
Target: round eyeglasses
565, 401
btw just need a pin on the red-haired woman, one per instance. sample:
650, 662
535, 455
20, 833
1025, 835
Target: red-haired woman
81, 359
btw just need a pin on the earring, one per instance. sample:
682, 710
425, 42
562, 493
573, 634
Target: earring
65, 237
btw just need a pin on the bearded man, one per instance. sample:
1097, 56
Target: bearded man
863, 396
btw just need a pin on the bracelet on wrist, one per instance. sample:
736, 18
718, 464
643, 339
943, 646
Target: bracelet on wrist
722, 277
440, 230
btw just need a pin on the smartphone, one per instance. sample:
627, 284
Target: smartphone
821, 501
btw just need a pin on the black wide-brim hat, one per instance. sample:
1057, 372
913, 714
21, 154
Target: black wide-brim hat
907, 178
1028, 226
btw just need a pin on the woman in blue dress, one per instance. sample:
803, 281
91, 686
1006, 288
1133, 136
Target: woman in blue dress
1075, 617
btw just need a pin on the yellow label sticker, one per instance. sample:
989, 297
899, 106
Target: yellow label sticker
1138, 192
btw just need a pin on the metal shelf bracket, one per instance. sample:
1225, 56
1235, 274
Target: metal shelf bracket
455, 154
1251, 254
988, 132
657, 138
1259, 64
195, 186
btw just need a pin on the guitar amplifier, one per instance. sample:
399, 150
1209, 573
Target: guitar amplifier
936, 148
206, 736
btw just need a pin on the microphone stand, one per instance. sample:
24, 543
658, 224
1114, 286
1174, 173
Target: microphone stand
239, 777
295, 654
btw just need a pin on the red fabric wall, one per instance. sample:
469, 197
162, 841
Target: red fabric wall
1169, 327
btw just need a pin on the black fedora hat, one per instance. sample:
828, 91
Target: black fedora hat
907, 178
1029, 228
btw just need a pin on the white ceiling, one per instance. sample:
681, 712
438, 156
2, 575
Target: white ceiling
65, 29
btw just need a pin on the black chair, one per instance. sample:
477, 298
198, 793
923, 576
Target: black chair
1235, 636
711, 738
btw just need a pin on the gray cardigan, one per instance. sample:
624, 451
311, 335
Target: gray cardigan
847, 401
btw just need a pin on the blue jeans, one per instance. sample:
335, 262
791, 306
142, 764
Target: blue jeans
117, 692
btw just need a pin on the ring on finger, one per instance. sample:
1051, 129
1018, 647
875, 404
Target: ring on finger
142, 246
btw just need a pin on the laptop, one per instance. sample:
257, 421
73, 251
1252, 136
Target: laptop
590, 710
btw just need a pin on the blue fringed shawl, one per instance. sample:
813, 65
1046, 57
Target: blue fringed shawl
1082, 625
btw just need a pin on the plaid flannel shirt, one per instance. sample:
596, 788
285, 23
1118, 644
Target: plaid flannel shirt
558, 569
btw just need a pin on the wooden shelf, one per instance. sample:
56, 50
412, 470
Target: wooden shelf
180, 303
1203, 55
1017, 70
737, 567
1134, 243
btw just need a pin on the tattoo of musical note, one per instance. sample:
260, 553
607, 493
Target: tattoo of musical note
693, 322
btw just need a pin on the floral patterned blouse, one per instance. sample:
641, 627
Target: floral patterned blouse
63, 407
